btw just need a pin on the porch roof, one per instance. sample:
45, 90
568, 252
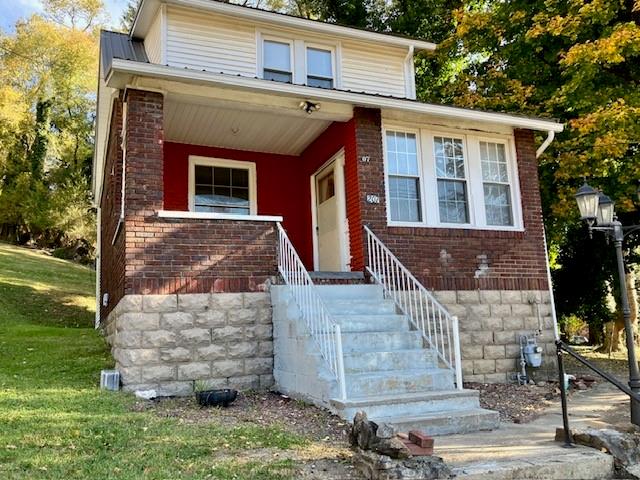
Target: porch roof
336, 105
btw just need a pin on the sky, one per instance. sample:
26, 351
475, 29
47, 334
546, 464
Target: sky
12, 10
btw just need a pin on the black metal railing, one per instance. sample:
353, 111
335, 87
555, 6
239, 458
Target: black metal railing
560, 347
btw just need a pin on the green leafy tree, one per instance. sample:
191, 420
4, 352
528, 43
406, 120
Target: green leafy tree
47, 104
573, 60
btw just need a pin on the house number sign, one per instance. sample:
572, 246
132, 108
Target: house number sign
372, 198
365, 159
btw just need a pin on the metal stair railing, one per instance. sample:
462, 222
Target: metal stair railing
437, 326
323, 329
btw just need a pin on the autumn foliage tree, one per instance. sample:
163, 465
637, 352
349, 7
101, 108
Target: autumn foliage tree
576, 61
47, 100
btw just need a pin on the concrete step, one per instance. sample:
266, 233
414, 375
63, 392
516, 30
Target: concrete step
581, 463
373, 323
360, 362
380, 341
408, 404
338, 278
398, 381
360, 306
444, 423
350, 292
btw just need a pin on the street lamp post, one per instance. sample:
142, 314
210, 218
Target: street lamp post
596, 208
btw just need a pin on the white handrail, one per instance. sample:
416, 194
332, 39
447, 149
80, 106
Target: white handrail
438, 327
324, 330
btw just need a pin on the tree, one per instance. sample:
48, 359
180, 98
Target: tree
129, 15
47, 103
573, 60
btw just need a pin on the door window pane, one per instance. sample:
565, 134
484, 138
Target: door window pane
452, 185
405, 202
221, 190
277, 61
326, 188
497, 190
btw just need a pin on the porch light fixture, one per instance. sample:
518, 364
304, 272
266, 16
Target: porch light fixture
309, 107
596, 207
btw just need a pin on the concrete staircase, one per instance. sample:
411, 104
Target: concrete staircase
389, 373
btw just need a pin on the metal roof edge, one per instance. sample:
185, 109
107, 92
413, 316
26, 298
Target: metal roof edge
128, 67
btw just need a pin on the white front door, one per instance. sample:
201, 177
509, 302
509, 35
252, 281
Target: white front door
330, 242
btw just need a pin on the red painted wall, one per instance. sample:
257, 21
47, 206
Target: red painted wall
283, 181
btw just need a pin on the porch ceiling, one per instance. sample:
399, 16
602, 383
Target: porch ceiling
239, 128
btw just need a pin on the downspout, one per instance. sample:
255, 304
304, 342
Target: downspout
550, 136
410, 80
556, 332
98, 269
123, 146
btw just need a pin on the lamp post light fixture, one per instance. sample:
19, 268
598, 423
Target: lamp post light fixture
597, 208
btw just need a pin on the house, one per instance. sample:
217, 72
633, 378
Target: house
276, 209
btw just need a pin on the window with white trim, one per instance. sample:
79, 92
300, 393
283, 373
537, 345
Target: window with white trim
222, 186
451, 179
452, 184
495, 178
403, 177
276, 61
297, 60
320, 67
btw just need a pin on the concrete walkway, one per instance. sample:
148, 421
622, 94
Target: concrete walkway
528, 451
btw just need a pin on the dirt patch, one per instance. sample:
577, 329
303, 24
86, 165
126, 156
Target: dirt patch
327, 456
258, 408
516, 403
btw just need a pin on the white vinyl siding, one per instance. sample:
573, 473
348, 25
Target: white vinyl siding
153, 40
217, 43
373, 69
210, 42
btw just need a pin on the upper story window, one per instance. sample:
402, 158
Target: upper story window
276, 61
451, 180
293, 60
319, 67
222, 186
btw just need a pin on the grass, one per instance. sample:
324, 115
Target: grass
54, 421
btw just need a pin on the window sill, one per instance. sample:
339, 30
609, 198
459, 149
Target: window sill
454, 226
217, 216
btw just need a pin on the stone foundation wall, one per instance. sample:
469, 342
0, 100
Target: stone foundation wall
491, 323
166, 342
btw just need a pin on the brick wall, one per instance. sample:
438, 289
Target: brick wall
447, 259
155, 255
199, 256
112, 259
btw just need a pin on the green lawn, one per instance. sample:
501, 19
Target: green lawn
54, 421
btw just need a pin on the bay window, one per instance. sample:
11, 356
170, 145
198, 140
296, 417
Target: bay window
404, 177
452, 185
454, 179
495, 178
